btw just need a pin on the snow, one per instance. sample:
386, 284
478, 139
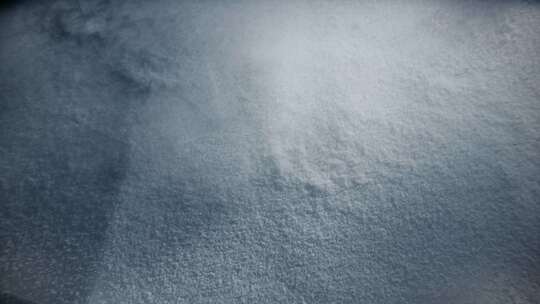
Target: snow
270, 151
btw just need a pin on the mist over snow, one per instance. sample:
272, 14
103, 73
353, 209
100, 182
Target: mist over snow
270, 151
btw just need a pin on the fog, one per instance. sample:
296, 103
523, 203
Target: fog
270, 152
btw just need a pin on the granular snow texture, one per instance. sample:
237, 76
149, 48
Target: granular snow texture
270, 152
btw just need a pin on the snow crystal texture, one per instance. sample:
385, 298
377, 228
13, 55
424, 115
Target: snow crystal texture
270, 151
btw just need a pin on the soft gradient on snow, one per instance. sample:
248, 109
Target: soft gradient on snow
270, 151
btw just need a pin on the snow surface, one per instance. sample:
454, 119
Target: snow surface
270, 152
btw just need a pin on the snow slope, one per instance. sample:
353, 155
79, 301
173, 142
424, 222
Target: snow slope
270, 151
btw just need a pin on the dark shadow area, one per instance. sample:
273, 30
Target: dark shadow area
6, 298
63, 157
6, 5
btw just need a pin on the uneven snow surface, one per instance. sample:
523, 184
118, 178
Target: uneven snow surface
270, 152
